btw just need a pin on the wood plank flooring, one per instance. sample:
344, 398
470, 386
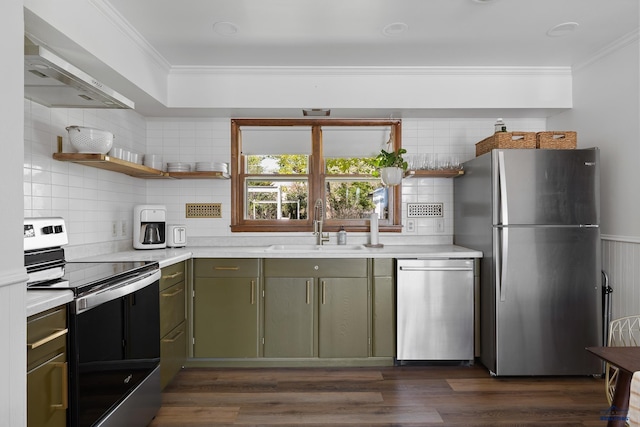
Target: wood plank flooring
389, 396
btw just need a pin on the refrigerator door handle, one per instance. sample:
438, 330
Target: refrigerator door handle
502, 178
504, 255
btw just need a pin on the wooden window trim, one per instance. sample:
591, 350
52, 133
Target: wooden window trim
316, 169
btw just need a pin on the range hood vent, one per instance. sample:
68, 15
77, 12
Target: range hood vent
53, 82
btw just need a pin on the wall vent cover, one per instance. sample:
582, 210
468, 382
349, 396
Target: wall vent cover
424, 210
203, 210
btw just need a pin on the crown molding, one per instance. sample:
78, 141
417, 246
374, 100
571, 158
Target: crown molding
609, 49
118, 21
383, 71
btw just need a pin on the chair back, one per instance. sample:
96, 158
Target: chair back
623, 332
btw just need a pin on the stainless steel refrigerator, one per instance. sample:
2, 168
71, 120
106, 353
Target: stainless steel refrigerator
535, 216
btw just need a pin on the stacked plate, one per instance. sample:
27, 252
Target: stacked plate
212, 167
178, 167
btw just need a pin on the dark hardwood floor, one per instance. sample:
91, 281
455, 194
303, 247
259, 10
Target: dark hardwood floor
390, 396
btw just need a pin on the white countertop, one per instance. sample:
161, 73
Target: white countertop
39, 301
167, 257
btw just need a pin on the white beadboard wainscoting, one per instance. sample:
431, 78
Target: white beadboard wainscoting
621, 261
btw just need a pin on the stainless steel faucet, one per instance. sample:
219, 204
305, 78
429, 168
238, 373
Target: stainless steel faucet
318, 217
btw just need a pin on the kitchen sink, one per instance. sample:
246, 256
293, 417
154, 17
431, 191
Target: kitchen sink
314, 248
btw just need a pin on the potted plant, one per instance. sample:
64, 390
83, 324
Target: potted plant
391, 166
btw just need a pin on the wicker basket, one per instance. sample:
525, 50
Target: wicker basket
559, 140
506, 140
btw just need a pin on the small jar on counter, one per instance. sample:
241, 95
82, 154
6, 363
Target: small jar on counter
342, 236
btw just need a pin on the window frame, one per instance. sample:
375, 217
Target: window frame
316, 177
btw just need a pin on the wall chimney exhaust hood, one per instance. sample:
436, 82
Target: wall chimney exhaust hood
53, 82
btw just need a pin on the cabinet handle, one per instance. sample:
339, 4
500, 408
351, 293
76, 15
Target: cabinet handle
308, 292
253, 290
64, 404
173, 276
43, 341
227, 268
324, 291
174, 338
174, 293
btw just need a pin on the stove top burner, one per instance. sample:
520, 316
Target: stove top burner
81, 277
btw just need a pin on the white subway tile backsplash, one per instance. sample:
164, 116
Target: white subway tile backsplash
92, 199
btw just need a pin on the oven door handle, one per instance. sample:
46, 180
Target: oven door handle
117, 290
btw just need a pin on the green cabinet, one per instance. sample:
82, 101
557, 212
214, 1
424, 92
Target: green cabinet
383, 307
316, 308
226, 308
292, 311
343, 329
173, 338
289, 317
47, 376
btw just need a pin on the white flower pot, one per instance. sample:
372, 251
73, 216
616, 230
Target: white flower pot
391, 176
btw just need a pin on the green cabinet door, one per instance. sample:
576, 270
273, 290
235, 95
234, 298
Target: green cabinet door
46, 394
288, 317
343, 317
383, 322
226, 317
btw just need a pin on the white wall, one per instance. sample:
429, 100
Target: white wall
12, 275
606, 114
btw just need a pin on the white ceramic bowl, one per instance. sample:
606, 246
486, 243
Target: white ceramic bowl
90, 140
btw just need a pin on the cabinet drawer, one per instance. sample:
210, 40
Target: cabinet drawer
171, 275
227, 267
383, 267
173, 350
172, 310
323, 267
46, 335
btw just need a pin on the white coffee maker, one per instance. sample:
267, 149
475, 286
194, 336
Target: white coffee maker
149, 227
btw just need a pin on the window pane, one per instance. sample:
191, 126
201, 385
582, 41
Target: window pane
355, 199
284, 164
276, 140
270, 200
358, 141
353, 165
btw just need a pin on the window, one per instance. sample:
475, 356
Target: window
281, 167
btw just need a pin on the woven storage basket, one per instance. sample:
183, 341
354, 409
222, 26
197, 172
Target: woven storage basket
560, 140
506, 140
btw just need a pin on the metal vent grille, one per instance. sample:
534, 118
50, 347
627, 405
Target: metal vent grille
424, 210
203, 210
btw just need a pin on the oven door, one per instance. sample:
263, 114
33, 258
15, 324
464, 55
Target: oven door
116, 346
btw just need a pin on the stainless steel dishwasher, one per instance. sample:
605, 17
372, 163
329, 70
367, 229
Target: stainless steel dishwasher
435, 310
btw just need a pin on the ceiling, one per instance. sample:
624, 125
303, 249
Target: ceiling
191, 33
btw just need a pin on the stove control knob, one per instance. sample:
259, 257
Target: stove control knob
47, 230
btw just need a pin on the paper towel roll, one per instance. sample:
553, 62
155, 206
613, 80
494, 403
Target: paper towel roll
374, 228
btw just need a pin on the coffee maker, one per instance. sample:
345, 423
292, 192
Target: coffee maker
149, 227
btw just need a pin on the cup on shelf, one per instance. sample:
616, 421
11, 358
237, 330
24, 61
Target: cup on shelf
154, 161
135, 157
116, 152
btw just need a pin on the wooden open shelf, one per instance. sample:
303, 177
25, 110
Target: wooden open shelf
104, 161
444, 173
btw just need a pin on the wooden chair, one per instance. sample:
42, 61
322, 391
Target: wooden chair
623, 332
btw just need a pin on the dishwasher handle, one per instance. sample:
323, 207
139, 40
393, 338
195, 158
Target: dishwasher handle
406, 268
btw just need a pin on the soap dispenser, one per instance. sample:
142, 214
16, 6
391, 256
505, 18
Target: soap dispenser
342, 236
